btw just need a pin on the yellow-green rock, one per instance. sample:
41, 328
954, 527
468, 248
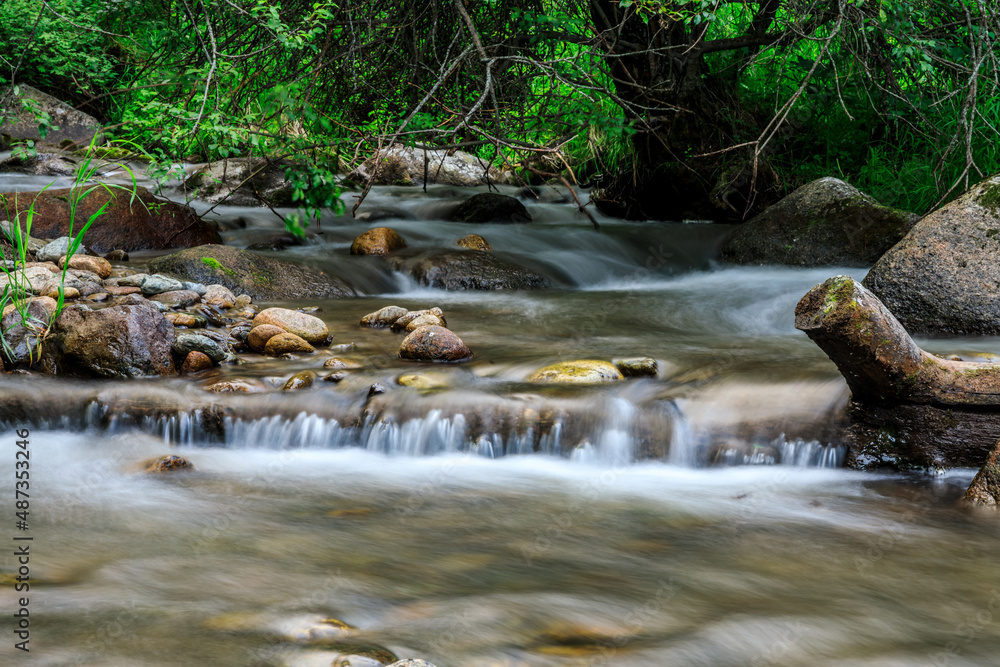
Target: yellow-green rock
584, 371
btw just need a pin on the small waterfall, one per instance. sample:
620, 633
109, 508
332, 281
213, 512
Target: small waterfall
682, 442
423, 436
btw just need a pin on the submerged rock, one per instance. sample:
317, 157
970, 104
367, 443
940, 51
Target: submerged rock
377, 241
120, 342
823, 223
474, 242
241, 386
585, 371
147, 223
985, 488
308, 327
169, 463
403, 165
944, 276
467, 270
411, 662
434, 343
491, 207
246, 272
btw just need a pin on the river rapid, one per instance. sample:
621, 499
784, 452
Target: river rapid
699, 518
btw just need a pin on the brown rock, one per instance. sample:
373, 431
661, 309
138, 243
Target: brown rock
259, 335
196, 362
474, 242
117, 256
286, 343
434, 343
98, 297
378, 241
147, 223
98, 265
184, 320
383, 317
219, 295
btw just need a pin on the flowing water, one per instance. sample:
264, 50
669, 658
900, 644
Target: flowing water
702, 517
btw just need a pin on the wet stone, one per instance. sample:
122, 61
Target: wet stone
195, 362
383, 317
168, 463
286, 343
241, 386
636, 366
310, 328
188, 342
302, 380
181, 298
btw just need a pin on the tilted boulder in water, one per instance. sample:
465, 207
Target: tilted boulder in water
249, 273
944, 277
491, 207
377, 241
434, 343
145, 223
984, 491
467, 270
259, 335
637, 366
403, 165
585, 371
824, 223
287, 343
307, 327
119, 342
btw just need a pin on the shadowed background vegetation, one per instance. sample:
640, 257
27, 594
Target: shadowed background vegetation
688, 108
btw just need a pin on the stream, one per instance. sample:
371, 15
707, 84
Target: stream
700, 518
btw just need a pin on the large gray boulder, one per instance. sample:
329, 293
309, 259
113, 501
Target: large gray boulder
823, 223
246, 272
118, 342
402, 165
944, 276
239, 181
466, 270
75, 127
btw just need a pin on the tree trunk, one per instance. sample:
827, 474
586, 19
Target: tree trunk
909, 407
686, 120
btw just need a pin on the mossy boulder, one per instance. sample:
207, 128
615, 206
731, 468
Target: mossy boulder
944, 276
824, 223
584, 371
474, 242
243, 271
